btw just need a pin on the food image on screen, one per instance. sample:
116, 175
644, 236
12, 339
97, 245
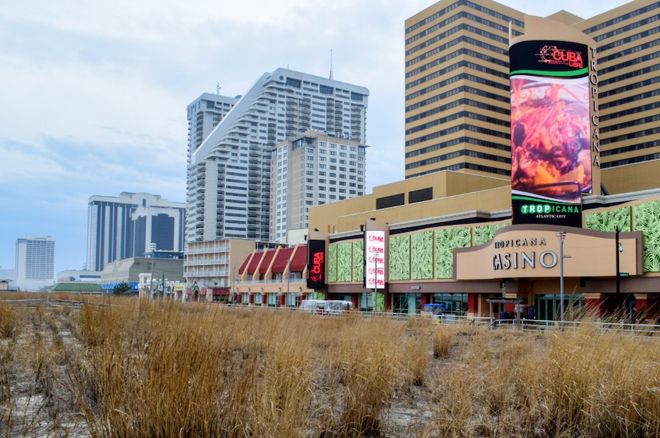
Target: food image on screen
550, 149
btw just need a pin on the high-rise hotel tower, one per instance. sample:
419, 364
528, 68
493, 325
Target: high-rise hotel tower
228, 178
457, 89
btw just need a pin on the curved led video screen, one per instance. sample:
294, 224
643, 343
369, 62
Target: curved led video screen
550, 132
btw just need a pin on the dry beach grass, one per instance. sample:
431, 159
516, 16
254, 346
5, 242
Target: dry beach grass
142, 368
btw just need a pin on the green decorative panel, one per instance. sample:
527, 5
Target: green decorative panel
609, 220
421, 261
647, 220
380, 302
399, 266
445, 242
358, 261
332, 263
344, 262
485, 233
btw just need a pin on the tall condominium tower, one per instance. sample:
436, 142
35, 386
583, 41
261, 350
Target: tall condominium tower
130, 225
204, 113
309, 170
457, 87
228, 180
35, 259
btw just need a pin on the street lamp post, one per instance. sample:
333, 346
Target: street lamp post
618, 274
562, 236
152, 247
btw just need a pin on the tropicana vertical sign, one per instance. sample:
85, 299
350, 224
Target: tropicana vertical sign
595, 119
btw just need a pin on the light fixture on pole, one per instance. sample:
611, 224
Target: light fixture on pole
561, 236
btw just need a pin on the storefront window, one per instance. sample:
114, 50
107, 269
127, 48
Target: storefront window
272, 300
257, 299
245, 299
406, 303
452, 303
367, 302
547, 307
292, 299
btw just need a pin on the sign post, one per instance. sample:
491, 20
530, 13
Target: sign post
562, 236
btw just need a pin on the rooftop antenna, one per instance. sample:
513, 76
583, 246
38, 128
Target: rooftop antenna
217, 88
330, 64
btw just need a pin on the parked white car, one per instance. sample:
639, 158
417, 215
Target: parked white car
326, 307
312, 306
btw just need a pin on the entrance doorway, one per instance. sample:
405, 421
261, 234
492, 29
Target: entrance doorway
548, 306
406, 303
452, 303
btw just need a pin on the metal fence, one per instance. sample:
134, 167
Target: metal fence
525, 325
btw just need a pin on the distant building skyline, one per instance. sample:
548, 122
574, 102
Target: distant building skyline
309, 170
125, 226
35, 261
228, 178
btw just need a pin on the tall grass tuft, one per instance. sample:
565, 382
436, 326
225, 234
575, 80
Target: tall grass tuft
8, 321
442, 339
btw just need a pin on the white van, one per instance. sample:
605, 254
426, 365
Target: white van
312, 306
336, 307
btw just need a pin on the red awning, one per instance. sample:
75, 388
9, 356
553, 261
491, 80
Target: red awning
265, 263
244, 264
299, 259
279, 265
220, 291
255, 262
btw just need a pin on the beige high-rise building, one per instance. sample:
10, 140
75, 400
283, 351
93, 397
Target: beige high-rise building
309, 170
628, 92
457, 89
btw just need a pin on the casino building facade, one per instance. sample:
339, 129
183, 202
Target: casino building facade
455, 246
572, 207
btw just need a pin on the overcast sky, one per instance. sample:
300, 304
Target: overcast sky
93, 93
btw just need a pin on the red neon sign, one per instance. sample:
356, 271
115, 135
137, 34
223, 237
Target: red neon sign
316, 272
555, 55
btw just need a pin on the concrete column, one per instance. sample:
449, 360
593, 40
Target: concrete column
473, 304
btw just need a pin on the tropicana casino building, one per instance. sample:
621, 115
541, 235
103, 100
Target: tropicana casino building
485, 214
